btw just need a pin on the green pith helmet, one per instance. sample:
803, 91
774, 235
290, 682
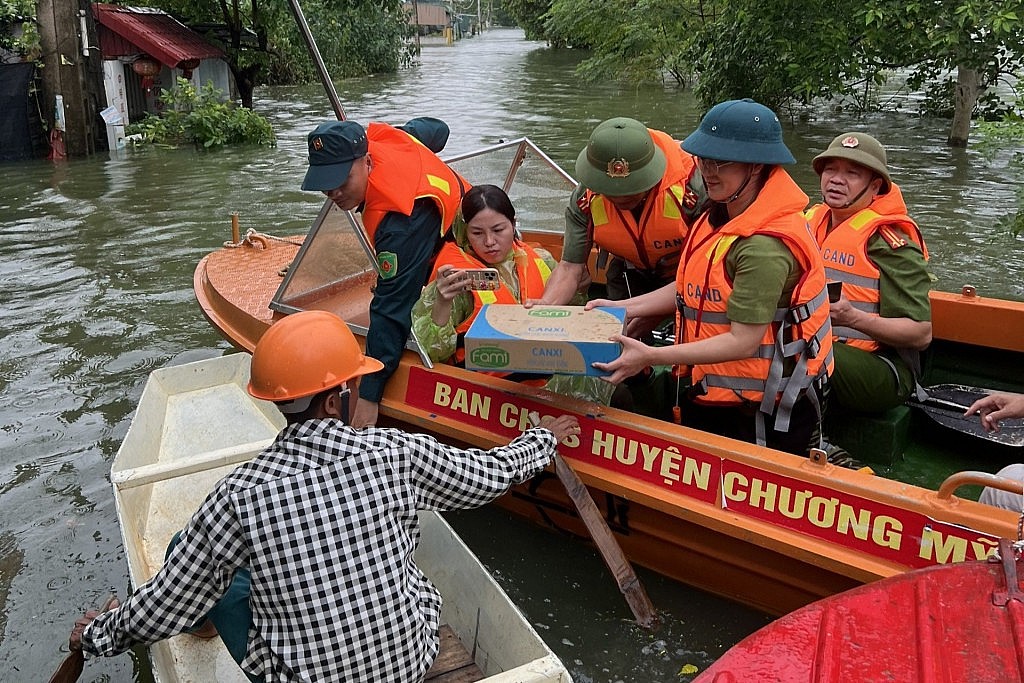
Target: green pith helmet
859, 148
739, 130
620, 159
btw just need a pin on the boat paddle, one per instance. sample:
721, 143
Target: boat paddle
71, 668
947, 403
610, 550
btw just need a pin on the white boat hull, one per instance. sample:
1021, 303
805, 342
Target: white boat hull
194, 424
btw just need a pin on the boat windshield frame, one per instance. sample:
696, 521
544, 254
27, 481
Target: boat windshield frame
537, 185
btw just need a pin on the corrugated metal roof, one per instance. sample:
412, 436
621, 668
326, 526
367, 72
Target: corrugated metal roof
156, 33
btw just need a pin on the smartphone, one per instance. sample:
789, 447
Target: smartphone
835, 290
483, 278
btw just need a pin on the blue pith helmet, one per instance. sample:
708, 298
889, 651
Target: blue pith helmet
739, 130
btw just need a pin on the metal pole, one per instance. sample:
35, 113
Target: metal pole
318, 61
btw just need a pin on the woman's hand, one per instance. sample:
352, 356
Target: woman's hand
450, 282
633, 359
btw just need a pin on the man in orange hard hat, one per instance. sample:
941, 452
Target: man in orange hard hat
325, 522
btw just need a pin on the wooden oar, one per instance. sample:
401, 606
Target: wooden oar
609, 548
71, 668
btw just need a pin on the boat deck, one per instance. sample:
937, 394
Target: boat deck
454, 664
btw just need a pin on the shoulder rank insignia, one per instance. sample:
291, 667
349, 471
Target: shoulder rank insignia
690, 199
584, 202
893, 237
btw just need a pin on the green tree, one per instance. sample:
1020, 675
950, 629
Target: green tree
802, 52
958, 49
777, 52
997, 137
630, 40
201, 117
262, 42
529, 15
18, 30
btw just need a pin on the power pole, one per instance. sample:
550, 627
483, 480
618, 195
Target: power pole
71, 73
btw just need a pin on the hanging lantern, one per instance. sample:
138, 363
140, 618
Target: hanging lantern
148, 68
187, 67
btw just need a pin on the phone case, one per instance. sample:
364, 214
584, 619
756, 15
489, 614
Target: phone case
485, 279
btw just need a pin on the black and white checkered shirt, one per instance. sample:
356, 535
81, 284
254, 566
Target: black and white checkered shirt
326, 519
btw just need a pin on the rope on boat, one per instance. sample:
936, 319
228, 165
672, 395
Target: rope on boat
253, 238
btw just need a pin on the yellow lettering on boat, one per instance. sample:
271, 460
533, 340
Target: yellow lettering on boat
887, 532
820, 511
471, 403
984, 548
442, 394
763, 495
857, 520
603, 444
731, 487
695, 472
939, 548
508, 415
791, 505
669, 463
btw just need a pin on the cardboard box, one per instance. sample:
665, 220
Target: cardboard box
543, 339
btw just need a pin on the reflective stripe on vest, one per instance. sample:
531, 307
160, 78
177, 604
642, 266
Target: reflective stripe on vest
844, 249
703, 291
404, 171
659, 232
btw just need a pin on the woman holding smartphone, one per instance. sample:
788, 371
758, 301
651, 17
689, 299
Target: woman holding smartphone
486, 243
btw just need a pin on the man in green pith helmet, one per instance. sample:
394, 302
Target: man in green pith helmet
638, 194
882, 318
752, 325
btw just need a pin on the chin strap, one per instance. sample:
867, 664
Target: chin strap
344, 395
746, 181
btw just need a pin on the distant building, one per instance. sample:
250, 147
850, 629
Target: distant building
429, 17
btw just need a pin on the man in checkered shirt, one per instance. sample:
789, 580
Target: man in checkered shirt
325, 520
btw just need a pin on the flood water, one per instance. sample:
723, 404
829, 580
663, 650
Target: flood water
97, 258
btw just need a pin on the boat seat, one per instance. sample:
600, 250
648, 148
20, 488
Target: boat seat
875, 438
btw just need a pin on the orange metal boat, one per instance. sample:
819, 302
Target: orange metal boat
766, 528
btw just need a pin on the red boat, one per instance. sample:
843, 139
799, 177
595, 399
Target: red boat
951, 623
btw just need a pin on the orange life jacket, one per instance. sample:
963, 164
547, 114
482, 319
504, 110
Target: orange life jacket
800, 333
658, 235
531, 270
404, 170
844, 250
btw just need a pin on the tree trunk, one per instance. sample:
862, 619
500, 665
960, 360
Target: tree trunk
965, 96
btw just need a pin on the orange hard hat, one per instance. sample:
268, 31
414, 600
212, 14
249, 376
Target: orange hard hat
304, 354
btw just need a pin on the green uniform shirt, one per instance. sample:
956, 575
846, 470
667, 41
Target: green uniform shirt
875, 382
764, 273
904, 281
